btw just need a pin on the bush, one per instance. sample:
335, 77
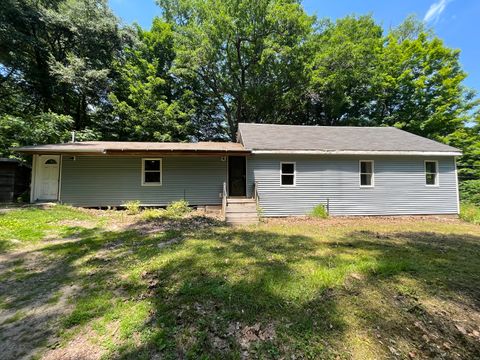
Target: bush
152, 214
470, 191
470, 213
319, 211
133, 207
177, 209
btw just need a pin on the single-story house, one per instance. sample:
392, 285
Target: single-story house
286, 169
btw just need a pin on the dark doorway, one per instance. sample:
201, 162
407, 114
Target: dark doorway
237, 176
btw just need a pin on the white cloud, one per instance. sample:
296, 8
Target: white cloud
435, 10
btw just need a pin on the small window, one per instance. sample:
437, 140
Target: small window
431, 173
287, 174
366, 173
151, 172
51, 162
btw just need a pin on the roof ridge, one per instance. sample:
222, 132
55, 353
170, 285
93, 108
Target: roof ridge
324, 126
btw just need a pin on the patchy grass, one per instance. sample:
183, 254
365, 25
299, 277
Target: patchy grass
192, 288
470, 212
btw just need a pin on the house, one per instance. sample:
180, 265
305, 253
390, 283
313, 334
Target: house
14, 179
287, 169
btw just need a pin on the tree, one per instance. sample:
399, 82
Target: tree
243, 59
344, 71
147, 103
422, 90
56, 56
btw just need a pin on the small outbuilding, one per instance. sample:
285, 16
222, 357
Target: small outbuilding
14, 179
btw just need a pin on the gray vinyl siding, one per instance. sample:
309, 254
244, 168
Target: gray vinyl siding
112, 181
399, 185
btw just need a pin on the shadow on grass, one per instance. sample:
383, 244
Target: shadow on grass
231, 292
444, 268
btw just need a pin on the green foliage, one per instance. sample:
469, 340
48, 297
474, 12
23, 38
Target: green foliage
145, 104
470, 213
243, 59
177, 209
470, 192
56, 60
39, 129
344, 70
319, 211
133, 207
467, 139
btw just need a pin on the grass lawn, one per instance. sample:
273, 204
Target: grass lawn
85, 284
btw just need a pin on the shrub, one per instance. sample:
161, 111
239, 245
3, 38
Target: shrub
152, 214
177, 209
133, 207
470, 213
470, 191
319, 211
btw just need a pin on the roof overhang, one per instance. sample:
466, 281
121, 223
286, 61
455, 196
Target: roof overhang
134, 152
351, 152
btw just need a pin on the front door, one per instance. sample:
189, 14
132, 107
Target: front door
237, 176
47, 177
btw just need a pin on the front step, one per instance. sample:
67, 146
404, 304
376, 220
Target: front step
241, 211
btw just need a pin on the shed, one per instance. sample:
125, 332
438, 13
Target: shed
14, 179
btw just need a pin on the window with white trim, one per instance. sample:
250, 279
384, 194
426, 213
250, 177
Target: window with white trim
287, 174
431, 173
366, 173
151, 172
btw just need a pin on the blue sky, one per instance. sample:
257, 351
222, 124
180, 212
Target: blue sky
457, 22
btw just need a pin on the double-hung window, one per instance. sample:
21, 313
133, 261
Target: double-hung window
431, 173
287, 174
151, 172
366, 173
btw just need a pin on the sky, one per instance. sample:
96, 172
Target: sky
457, 22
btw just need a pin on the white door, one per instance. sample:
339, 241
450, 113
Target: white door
47, 177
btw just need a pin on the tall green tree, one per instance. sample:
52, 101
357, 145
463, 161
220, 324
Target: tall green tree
57, 57
147, 103
422, 87
244, 59
344, 71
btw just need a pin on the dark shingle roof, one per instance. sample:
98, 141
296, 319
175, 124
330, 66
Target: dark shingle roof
264, 137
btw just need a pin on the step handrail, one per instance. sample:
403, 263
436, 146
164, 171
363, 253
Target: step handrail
224, 199
255, 192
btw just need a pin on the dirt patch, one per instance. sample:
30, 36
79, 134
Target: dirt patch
194, 221
81, 347
86, 224
33, 302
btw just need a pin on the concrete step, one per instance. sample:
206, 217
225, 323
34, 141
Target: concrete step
242, 220
239, 210
240, 201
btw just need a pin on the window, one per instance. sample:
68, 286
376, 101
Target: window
151, 172
366, 173
51, 162
431, 173
287, 174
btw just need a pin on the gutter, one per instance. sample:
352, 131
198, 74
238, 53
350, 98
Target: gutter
350, 152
